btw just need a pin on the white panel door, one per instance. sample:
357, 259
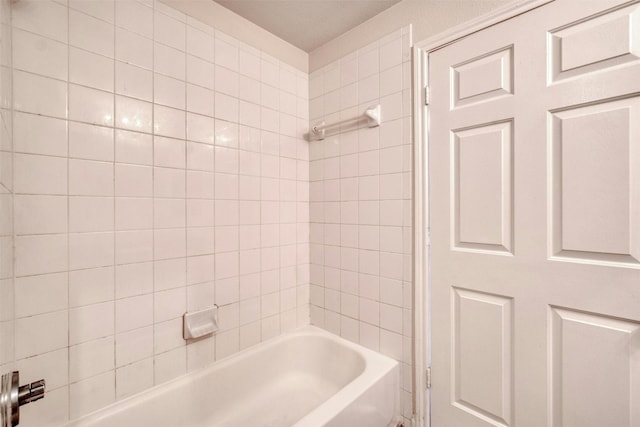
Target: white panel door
534, 163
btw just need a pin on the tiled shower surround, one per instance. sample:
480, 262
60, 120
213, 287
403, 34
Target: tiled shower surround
153, 165
159, 167
360, 210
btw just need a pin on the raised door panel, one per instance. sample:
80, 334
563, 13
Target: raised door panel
482, 78
594, 370
482, 376
602, 41
482, 184
595, 161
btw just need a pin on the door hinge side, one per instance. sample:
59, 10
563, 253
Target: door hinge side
428, 378
427, 95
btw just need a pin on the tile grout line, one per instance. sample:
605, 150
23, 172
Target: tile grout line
185, 173
153, 195
13, 204
113, 222
68, 55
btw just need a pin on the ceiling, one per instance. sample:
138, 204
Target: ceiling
307, 24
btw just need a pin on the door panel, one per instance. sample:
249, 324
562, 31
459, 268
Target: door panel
482, 371
598, 43
593, 168
485, 77
573, 353
534, 148
482, 181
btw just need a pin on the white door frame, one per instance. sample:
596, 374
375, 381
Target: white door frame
421, 247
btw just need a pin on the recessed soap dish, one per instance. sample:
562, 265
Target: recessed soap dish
198, 324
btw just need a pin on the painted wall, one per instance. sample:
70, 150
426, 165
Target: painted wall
427, 17
159, 168
360, 211
6, 193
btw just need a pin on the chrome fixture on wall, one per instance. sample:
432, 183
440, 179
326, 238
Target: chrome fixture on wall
13, 396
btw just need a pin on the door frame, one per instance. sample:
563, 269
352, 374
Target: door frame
421, 230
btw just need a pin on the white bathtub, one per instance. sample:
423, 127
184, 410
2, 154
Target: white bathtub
308, 378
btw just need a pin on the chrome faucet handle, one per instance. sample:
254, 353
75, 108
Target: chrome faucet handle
31, 392
12, 396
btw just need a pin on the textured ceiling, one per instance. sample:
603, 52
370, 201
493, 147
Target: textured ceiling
307, 24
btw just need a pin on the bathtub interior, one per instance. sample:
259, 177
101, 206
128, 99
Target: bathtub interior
275, 384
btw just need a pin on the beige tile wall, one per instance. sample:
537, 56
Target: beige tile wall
159, 167
360, 210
